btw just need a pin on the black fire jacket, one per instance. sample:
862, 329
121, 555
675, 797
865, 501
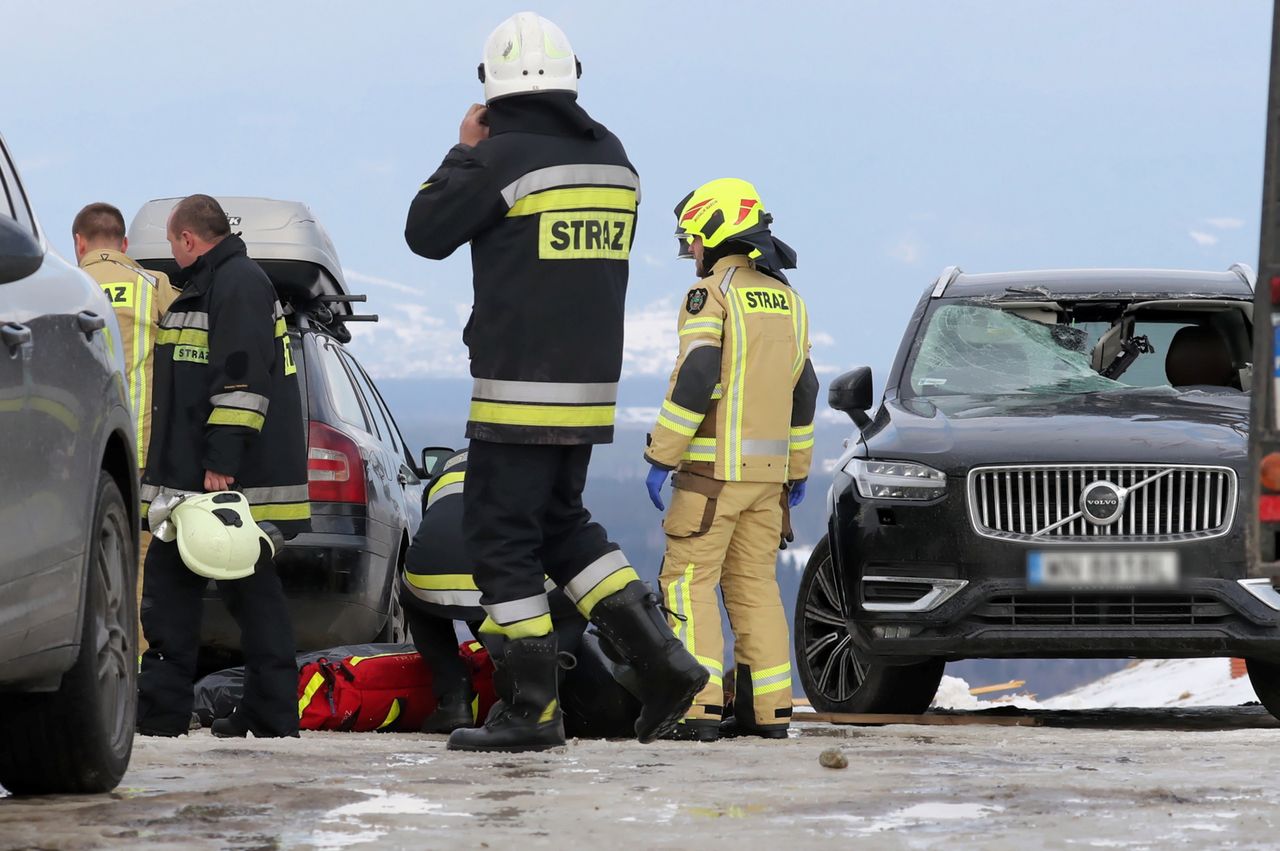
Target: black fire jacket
226, 392
548, 203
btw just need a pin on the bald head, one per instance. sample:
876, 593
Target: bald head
196, 224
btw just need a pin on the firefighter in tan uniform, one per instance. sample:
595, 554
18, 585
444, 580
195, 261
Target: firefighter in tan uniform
139, 297
736, 426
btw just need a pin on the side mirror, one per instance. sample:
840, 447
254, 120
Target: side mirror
20, 254
433, 458
851, 393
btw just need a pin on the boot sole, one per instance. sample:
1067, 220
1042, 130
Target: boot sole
667, 724
505, 748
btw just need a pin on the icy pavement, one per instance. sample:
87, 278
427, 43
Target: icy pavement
905, 787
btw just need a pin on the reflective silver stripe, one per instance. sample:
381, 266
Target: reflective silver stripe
454, 461
241, 399
285, 493
150, 493
727, 279
595, 573
783, 677
470, 599
545, 392
570, 175
448, 490
549, 585
191, 319
518, 610
697, 344
766, 447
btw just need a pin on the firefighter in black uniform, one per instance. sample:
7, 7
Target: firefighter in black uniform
547, 199
438, 587
227, 415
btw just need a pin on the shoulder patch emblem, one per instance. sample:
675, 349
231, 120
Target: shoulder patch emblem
697, 300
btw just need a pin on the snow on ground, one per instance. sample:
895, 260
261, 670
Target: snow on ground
1146, 683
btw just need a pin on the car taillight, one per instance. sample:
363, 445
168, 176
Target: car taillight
335, 471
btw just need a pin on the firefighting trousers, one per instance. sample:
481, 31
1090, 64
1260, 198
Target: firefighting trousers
726, 534
524, 520
171, 613
437, 643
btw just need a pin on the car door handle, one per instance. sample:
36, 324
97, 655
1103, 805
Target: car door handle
15, 335
90, 322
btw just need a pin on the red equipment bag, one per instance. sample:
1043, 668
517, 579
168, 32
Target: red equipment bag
389, 692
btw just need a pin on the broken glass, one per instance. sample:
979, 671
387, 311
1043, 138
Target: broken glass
975, 350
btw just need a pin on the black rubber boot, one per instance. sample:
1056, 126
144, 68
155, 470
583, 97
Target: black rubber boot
668, 677
696, 730
528, 717
732, 728
453, 712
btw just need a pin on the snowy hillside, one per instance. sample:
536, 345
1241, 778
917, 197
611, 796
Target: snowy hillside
1147, 683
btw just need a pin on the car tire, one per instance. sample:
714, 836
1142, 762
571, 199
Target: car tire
1265, 679
80, 737
394, 630
835, 676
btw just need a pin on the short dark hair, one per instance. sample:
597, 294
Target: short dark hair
202, 215
99, 221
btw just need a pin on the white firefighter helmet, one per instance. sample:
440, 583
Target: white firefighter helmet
527, 53
217, 537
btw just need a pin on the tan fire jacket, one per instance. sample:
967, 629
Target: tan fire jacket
140, 297
741, 401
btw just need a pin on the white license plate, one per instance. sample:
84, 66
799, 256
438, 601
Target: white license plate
1102, 569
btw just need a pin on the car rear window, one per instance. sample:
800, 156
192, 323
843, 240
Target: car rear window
342, 394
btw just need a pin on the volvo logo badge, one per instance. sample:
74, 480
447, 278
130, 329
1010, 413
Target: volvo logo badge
1102, 503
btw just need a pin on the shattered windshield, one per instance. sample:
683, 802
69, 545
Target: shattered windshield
984, 351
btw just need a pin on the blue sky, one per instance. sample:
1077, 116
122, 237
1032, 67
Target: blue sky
890, 139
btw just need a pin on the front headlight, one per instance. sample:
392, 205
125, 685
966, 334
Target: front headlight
896, 480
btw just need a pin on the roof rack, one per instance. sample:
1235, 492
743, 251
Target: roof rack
946, 279
1246, 273
316, 312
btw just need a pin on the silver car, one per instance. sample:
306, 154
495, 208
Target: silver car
68, 520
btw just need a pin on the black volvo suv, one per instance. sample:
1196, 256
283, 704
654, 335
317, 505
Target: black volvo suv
1054, 471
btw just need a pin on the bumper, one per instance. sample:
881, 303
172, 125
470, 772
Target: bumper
923, 584
337, 588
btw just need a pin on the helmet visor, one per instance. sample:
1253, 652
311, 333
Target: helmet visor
685, 245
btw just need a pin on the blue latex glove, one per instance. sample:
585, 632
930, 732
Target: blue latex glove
654, 481
795, 495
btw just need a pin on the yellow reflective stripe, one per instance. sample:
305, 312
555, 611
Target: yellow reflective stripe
668, 423
236, 417
280, 328
356, 660
609, 198
765, 673
424, 186
715, 666
392, 715
559, 416
686, 602
182, 337
736, 390
313, 685
615, 582
475, 709
703, 326
444, 481
146, 373
528, 628
772, 687
681, 412
281, 511
549, 713
717, 392
802, 437
442, 581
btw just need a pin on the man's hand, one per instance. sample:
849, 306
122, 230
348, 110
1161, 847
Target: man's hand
217, 481
475, 126
653, 483
795, 494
